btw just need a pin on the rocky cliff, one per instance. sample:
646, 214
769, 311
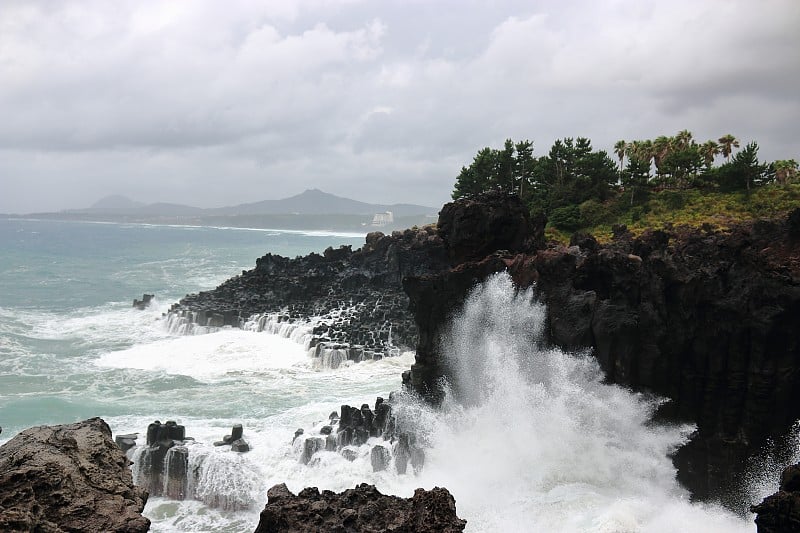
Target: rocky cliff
68, 478
707, 319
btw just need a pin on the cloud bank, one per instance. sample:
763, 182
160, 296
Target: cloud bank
215, 104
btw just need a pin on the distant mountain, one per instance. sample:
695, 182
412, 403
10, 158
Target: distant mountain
123, 206
317, 202
169, 210
116, 201
310, 202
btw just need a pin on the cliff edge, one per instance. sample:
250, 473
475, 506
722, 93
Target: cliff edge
707, 319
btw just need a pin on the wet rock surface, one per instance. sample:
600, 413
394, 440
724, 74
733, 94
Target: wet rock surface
71, 477
357, 295
162, 464
376, 428
362, 509
144, 302
707, 319
780, 512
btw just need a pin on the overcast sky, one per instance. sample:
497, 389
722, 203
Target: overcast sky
219, 103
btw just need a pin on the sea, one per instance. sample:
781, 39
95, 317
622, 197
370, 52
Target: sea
537, 443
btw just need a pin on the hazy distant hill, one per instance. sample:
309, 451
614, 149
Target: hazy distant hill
310, 202
123, 206
316, 202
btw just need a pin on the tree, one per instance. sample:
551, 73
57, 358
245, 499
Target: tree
506, 170
503, 177
637, 174
619, 149
709, 149
661, 149
743, 171
726, 144
478, 176
524, 164
786, 170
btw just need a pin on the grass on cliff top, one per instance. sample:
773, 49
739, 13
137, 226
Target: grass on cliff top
693, 208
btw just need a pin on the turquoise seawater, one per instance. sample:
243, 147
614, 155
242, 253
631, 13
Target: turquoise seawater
65, 300
545, 446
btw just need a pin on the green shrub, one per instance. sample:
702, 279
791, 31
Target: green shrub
673, 200
594, 213
566, 218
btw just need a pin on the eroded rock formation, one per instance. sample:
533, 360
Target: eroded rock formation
68, 478
363, 509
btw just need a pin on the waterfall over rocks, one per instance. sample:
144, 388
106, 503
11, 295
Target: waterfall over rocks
176, 467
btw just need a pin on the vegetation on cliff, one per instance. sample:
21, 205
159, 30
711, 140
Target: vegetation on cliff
653, 183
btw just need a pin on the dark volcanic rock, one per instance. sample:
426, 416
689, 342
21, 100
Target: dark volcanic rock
475, 227
144, 302
707, 319
68, 478
780, 513
362, 509
358, 295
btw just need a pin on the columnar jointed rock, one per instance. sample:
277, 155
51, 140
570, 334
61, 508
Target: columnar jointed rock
355, 427
362, 509
163, 463
780, 513
706, 319
68, 478
357, 294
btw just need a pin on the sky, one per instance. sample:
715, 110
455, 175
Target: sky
211, 103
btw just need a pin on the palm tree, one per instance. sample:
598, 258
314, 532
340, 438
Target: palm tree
661, 149
726, 144
683, 139
709, 149
619, 149
785, 170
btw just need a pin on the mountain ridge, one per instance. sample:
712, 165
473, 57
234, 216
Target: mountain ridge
309, 202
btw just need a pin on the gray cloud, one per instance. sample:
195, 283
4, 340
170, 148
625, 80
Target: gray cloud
212, 104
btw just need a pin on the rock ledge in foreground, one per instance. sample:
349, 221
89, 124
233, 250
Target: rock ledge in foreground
68, 478
361, 509
780, 513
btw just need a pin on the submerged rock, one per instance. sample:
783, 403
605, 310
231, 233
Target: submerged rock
144, 302
379, 457
126, 442
362, 509
235, 440
71, 477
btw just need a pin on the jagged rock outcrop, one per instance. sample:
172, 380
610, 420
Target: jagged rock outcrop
358, 294
707, 319
780, 512
472, 228
68, 478
363, 509
355, 427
